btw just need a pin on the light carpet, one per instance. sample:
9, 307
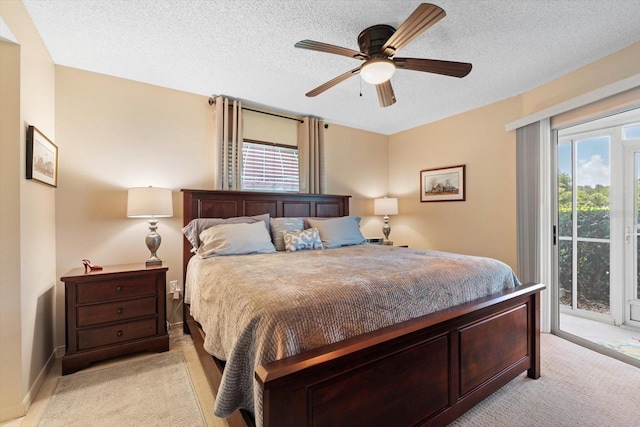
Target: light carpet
578, 387
154, 391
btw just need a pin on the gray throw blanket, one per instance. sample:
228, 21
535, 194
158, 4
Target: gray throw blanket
259, 308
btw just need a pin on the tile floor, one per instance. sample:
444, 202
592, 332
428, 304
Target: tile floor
594, 330
597, 332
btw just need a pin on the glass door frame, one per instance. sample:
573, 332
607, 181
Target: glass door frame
632, 295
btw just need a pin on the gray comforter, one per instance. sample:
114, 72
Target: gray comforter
259, 308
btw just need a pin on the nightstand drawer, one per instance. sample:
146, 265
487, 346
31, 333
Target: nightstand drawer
114, 311
99, 291
96, 337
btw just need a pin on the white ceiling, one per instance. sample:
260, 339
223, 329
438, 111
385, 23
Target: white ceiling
244, 49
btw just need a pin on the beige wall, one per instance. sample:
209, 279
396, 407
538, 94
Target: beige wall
35, 252
356, 164
484, 224
10, 330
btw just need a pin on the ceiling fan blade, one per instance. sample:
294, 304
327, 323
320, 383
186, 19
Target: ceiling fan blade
385, 94
329, 48
422, 18
331, 83
447, 68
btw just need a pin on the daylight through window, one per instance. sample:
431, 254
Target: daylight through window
267, 167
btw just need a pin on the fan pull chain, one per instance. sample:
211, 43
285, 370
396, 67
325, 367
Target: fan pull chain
360, 86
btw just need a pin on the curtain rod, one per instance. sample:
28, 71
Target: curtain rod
213, 101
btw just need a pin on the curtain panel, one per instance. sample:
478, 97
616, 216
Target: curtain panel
533, 211
228, 144
528, 190
311, 156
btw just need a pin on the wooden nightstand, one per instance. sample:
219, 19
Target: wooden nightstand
114, 311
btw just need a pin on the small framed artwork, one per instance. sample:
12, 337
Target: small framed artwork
42, 158
442, 184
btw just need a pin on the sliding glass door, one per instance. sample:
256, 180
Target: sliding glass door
596, 231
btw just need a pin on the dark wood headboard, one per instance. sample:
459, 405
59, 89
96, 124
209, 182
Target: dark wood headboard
227, 204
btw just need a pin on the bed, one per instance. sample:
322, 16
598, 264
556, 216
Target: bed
424, 370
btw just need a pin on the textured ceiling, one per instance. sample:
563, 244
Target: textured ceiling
244, 49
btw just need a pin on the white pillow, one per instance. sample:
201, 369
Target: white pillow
336, 232
235, 239
308, 239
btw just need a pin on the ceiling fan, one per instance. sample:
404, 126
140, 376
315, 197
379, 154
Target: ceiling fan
378, 45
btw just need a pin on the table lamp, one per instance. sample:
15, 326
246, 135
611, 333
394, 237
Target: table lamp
386, 206
152, 203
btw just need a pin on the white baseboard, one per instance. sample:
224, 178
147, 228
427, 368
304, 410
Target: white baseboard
33, 391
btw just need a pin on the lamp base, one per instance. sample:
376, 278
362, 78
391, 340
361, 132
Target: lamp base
153, 240
386, 229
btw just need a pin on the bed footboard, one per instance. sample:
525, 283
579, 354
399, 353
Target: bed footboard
427, 371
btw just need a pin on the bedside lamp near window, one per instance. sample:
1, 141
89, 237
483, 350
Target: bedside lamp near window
386, 206
152, 203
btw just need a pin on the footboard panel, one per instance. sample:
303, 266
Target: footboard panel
421, 371
427, 371
483, 352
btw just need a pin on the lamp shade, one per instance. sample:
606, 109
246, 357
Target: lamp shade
385, 206
377, 70
149, 202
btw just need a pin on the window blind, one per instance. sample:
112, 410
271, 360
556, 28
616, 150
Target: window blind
269, 168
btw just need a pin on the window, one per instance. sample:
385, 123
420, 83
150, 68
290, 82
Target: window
269, 167
631, 132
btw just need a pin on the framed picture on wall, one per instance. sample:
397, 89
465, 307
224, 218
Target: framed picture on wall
442, 184
42, 158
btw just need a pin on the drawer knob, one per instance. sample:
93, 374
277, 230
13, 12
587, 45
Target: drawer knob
119, 288
119, 311
119, 333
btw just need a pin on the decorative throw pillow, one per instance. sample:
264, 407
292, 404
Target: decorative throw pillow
196, 226
235, 239
336, 232
279, 225
302, 240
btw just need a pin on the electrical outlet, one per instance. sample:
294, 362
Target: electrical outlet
173, 286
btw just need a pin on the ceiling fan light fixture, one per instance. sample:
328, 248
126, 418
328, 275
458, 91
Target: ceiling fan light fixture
377, 70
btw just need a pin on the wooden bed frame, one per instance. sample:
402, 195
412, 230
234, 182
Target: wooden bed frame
425, 371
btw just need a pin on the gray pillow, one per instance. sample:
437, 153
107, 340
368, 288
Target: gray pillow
235, 239
196, 226
280, 225
336, 232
